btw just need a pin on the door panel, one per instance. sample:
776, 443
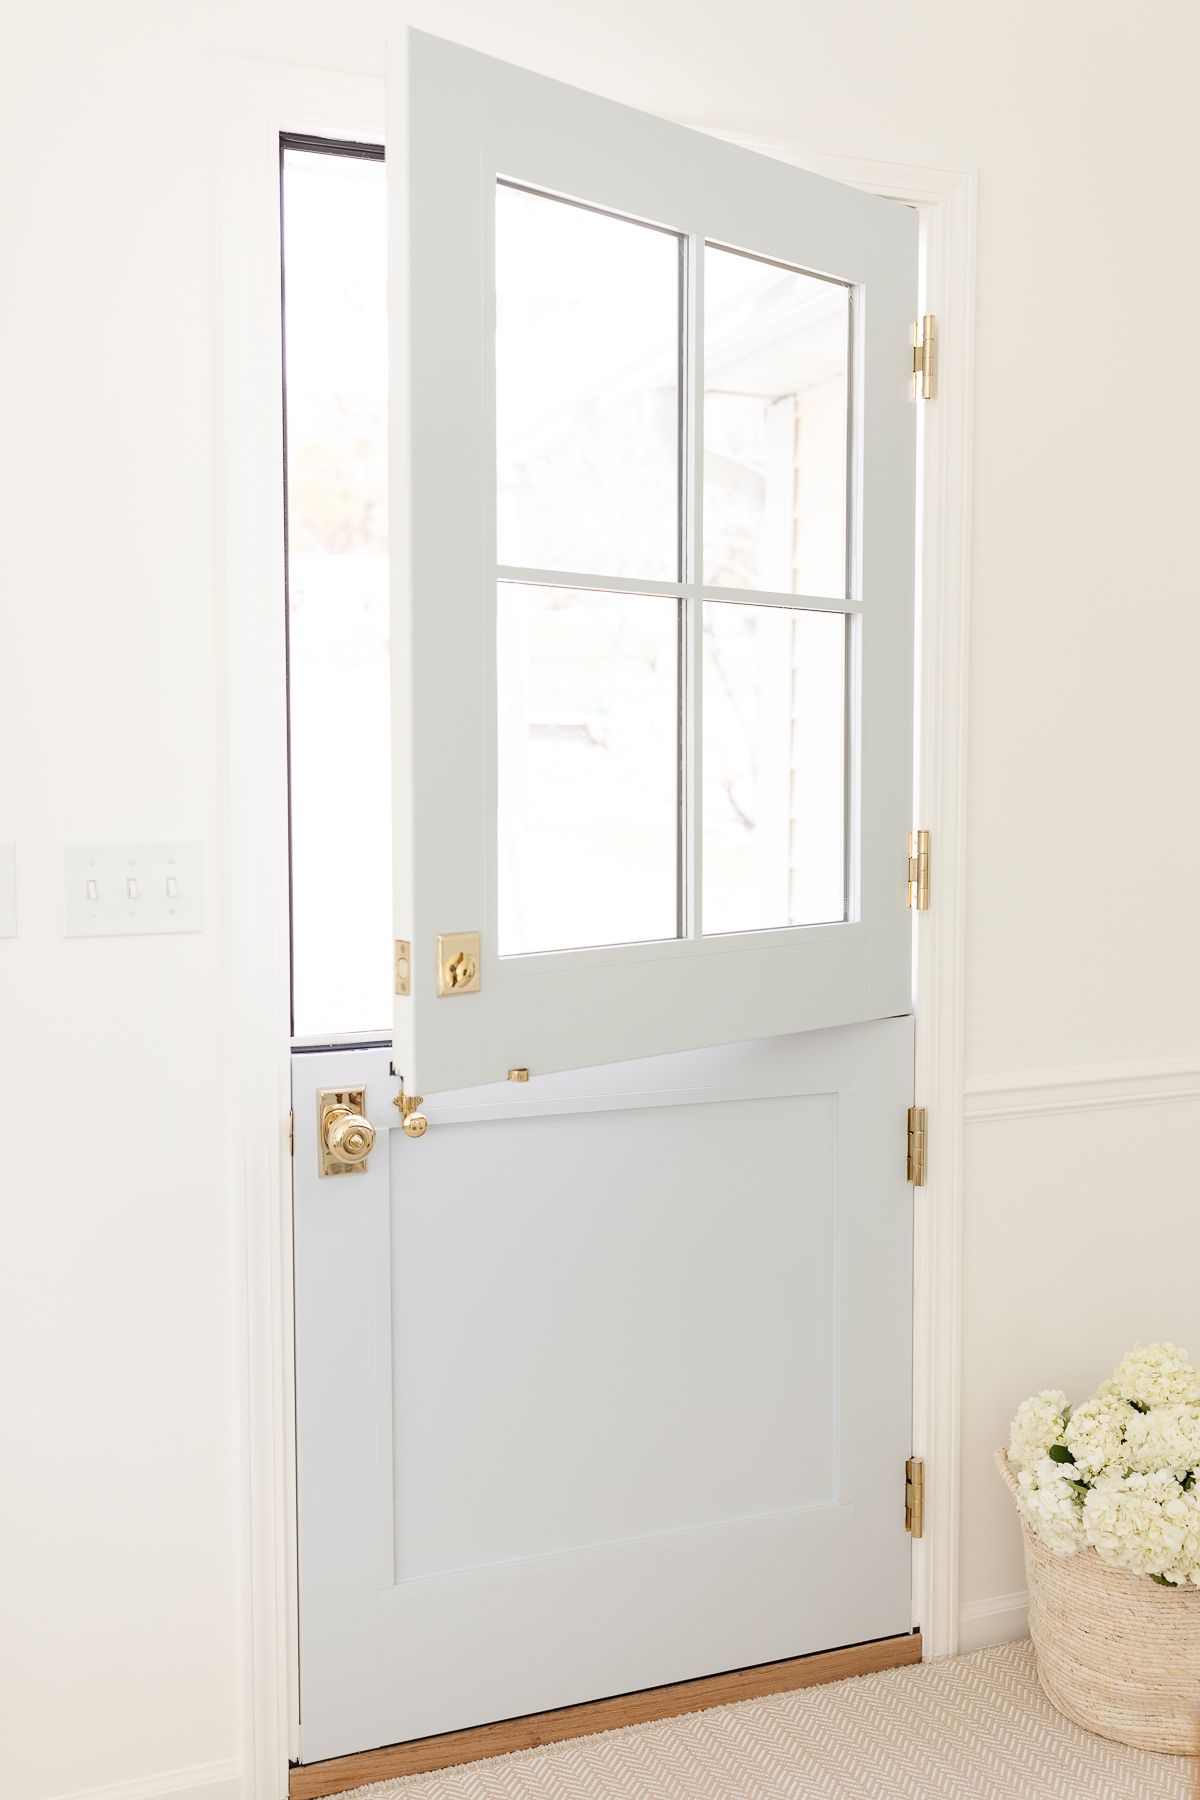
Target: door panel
534, 760
604, 1384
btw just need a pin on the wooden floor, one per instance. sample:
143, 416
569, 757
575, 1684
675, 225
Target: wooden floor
311, 1781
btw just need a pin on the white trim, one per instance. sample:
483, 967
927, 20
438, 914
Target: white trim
1036, 1093
256, 101
204, 1781
997, 1621
946, 200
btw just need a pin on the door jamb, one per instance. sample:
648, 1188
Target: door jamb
254, 102
946, 202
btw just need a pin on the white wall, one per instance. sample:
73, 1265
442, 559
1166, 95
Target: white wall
122, 1528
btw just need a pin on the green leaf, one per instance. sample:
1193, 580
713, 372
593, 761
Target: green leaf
1140, 1406
1163, 1582
1081, 1489
1189, 1481
1060, 1453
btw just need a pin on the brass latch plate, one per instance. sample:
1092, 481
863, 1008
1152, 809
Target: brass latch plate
403, 966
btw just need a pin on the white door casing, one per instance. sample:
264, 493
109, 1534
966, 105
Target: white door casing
460, 122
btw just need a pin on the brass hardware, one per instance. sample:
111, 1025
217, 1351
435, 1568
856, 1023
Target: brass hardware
458, 963
518, 1074
916, 1145
925, 358
413, 1124
918, 871
914, 1496
403, 966
345, 1135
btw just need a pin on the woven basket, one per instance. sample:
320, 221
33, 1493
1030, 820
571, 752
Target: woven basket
1115, 1651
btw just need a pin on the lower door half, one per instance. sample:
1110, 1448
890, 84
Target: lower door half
604, 1383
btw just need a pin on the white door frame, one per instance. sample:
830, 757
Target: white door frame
255, 102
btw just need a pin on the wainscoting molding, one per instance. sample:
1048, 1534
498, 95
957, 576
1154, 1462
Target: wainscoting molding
996, 1621
204, 1781
1037, 1093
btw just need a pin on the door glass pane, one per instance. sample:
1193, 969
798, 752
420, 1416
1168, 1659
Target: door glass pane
335, 330
587, 390
588, 729
776, 418
774, 794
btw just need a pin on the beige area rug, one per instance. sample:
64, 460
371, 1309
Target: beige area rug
970, 1726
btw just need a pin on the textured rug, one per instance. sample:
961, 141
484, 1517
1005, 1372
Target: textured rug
972, 1726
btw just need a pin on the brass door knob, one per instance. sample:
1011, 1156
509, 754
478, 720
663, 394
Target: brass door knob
348, 1136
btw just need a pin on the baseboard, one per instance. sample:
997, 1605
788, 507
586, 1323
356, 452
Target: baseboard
204, 1781
996, 1621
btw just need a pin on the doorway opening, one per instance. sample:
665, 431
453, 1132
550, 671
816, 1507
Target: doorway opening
319, 105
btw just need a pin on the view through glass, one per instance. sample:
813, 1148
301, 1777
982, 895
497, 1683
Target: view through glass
334, 228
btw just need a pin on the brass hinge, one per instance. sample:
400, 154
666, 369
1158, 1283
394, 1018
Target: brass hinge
916, 1145
291, 1134
914, 1496
924, 367
918, 871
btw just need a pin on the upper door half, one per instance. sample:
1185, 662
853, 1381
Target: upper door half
653, 452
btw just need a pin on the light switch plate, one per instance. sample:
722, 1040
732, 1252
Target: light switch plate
131, 890
8, 890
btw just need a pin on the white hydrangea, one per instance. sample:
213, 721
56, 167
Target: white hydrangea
1142, 1522
1158, 1375
1186, 1567
1096, 1432
1167, 1437
1040, 1422
1051, 1505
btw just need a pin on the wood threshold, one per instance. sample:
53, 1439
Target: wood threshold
313, 1781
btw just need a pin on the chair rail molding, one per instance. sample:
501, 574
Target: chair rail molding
1038, 1093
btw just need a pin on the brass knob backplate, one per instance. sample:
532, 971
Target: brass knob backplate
345, 1136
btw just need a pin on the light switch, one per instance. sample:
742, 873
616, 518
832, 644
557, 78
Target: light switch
8, 890
118, 890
